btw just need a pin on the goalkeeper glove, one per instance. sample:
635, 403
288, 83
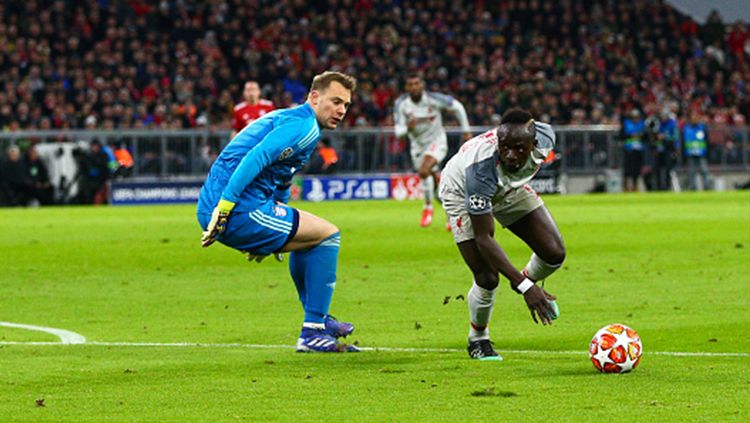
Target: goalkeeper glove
260, 257
218, 223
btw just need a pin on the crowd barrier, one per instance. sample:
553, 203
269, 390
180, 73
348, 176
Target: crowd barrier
368, 159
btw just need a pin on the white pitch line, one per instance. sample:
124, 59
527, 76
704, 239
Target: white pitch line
375, 349
66, 336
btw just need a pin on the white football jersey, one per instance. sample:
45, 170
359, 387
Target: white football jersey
475, 173
427, 112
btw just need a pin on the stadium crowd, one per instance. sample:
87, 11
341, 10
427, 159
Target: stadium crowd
108, 64
177, 64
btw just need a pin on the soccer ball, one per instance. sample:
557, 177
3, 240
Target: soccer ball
615, 349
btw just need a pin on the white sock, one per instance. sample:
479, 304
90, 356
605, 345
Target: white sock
311, 325
536, 269
480, 310
428, 185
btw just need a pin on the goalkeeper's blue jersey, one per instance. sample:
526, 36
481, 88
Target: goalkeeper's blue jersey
262, 157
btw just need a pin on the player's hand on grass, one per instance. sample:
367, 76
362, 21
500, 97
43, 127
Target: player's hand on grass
548, 296
554, 309
218, 223
537, 300
260, 257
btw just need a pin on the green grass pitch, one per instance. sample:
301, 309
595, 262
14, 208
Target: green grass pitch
674, 267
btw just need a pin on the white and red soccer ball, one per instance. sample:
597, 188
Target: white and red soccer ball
615, 349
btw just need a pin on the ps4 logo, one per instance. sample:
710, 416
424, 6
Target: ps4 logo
319, 189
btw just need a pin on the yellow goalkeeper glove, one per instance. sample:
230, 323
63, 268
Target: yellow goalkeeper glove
218, 223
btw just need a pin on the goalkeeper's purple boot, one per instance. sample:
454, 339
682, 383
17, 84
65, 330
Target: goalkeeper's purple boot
338, 329
318, 340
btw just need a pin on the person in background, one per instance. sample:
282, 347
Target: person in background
418, 117
4, 188
653, 147
40, 189
251, 108
325, 160
124, 161
695, 144
633, 128
109, 150
15, 178
94, 171
669, 134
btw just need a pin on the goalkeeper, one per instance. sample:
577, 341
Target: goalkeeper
243, 204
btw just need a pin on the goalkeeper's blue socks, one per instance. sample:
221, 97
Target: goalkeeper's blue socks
314, 274
297, 264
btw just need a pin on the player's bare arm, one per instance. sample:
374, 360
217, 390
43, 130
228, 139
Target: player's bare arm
495, 257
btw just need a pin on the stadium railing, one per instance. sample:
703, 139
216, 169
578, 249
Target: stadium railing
585, 149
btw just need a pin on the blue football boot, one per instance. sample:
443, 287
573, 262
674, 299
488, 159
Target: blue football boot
318, 340
338, 329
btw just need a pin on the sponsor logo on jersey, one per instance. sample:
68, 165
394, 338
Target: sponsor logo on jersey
286, 153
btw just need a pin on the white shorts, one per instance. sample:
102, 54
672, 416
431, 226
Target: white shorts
512, 206
437, 149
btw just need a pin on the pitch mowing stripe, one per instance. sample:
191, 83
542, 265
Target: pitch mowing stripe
374, 349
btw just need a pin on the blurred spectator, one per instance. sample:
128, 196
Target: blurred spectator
653, 151
14, 176
94, 171
125, 161
696, 151
41, 189
737, 41
633, 131
713, 30
325, 159
295, 87
112, 164
668, 154
250, 109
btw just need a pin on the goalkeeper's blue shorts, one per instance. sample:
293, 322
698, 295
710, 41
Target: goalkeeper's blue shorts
264, 230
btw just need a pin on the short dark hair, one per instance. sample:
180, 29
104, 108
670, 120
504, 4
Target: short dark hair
323, 80
414, 74
524, 121
516, 116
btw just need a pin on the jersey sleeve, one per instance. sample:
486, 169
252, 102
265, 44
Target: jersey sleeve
236, 124
458, 109
399, 119
446, 102
277, 145
481, 183
545, 141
